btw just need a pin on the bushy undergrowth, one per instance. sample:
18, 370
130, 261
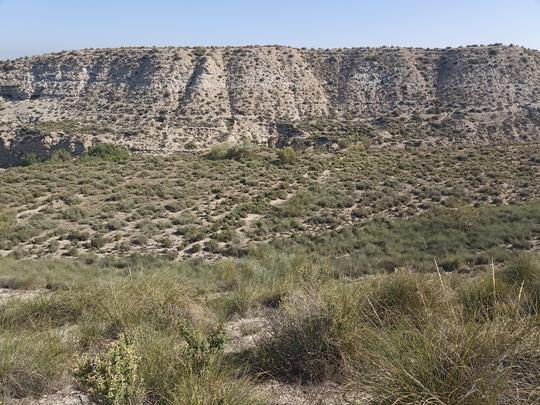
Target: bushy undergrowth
415, 338
147, 329
286, 155
461, 204
112, 375
240, 152
458, 238
142, 333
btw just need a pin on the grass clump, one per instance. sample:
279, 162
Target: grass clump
525, 273
144, 336
451, 362
32, 363
29, 159
150, 330
410, 338
60, 156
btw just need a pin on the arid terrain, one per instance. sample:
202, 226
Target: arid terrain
173, 99
270, 225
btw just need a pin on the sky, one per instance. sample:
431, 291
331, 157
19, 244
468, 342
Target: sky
31, 27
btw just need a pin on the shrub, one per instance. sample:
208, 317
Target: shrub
217, 152
287, 155
357, 147
302, 345
232, 152
61, 155
74, 214
240, 152
108, 151
409, 328
29, 159
112, 375
187, 368
97, 242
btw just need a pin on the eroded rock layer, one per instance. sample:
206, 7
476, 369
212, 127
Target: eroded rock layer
166, 99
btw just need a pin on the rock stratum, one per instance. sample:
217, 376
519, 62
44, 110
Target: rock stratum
168, 99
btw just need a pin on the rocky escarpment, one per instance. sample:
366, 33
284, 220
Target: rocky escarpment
166, 99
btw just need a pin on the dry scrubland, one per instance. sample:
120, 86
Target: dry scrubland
273, 329
401, 205
250, 275
381, 247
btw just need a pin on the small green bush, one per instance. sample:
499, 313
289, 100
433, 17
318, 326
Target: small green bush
287, 155
29, 159
97, 242
108, 151
231, 152
113, 375
61, 155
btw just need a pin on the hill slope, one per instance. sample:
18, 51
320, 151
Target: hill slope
163, 99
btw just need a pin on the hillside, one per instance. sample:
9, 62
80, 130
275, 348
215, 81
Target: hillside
171, 99
299, 227
380, 202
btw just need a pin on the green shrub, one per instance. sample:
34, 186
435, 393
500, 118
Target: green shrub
74, 214
287, 155
241, 152
108, 151
29, 159
61, 155
97, 242
188, 368
113, 375
232, 152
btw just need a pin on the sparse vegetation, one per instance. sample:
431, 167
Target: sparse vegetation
328, 276
379, 203
369, 235
446, 338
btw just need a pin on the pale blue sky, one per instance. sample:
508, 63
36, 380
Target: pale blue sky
29, 27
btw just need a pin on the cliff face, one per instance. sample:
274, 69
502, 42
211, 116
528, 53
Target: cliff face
163, 99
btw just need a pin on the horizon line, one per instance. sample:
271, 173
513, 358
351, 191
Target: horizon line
51, 53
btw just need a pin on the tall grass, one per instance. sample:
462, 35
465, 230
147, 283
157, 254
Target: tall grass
403, 337
172, 332
32, 363
414, 338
